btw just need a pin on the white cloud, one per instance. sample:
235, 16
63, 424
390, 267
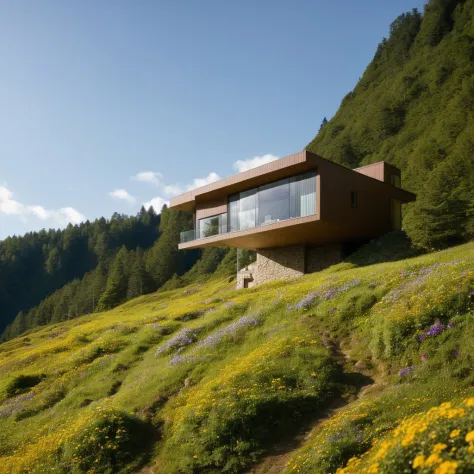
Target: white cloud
198, 182
174, 189
60, 217
157, 203
123, 195
245, 165
153, 177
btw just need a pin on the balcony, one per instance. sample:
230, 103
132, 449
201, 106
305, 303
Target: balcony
190, 235
255, 208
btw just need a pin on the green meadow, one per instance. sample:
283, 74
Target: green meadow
359, 368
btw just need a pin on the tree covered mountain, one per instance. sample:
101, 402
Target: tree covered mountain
56, 275
414, 108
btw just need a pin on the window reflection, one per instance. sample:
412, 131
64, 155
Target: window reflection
274, 202
212, 225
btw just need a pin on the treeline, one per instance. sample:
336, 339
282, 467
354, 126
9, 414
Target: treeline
414, 108
52, 276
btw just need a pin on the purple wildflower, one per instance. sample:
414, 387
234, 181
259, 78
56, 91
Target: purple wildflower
455, 354
183, 338
435, 330
229, 332
325, 293
305, 303
424, 357
403, 372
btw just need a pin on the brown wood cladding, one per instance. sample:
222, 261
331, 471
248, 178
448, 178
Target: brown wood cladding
211, 208
335, 219
264, 174
375, 170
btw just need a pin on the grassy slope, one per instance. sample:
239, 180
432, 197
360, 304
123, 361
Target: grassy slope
208, 378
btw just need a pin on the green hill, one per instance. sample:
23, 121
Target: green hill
210, 379
414, 108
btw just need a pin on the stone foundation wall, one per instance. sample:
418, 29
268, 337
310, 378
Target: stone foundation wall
284, 263
319, 258
279, 264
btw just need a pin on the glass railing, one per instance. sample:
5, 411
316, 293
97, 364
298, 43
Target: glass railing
189, 235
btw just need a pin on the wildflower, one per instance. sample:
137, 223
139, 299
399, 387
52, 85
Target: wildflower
435, 330
438, 447
470, 437
454, 433
419, 461
447, 467
183, 338
469, 402
424, 357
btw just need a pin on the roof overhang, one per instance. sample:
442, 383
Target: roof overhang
278, 169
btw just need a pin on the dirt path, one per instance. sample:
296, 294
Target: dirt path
362, 379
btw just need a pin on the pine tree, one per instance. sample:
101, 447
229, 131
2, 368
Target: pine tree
117, 282
140, 281
19, 325
164, 259
441, 215
323, 124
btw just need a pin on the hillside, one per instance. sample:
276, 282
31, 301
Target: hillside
210, 379
414, 108
56, 275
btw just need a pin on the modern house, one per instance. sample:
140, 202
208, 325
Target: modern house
299, 213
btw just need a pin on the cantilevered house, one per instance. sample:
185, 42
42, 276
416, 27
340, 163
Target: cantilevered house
298, 213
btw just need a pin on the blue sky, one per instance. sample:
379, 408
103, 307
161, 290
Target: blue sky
107, 105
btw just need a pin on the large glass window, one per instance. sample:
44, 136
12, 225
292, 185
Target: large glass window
212, 225
248, 209
274, 202
303, 195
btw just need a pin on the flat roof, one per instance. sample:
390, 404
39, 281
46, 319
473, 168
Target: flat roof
264, 174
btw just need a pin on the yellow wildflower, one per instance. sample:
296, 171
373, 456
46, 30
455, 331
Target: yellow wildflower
373, 469
469, 402
447, 467
470, 437
454, 433
433, 459
419, 461
438, 447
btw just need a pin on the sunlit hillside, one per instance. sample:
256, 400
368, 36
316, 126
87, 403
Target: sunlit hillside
335, 370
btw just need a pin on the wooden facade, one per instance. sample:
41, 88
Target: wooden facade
350, 204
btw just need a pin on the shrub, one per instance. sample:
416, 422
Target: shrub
107, 445
22, 383
440, 440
